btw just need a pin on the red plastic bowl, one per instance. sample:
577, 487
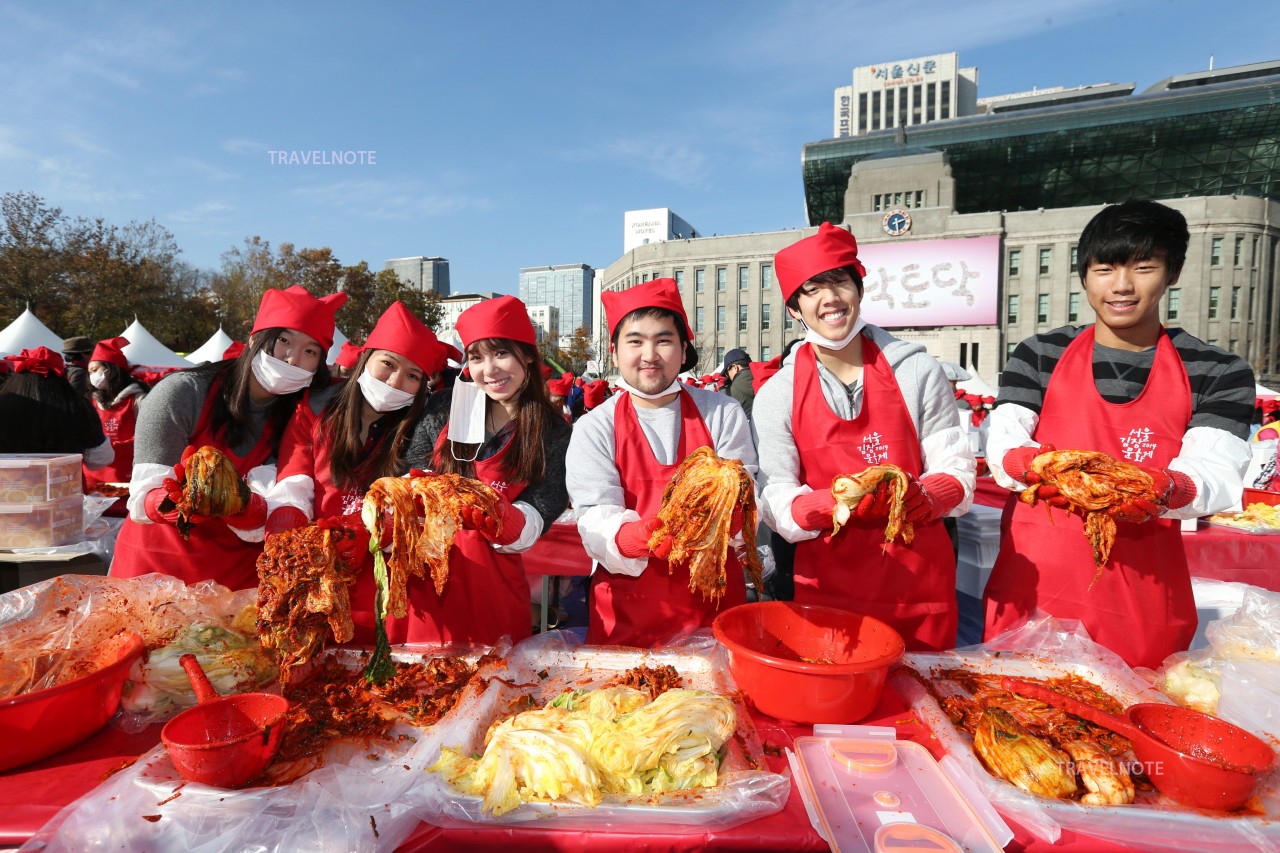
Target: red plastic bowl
808, 664
38, 724
1260, 496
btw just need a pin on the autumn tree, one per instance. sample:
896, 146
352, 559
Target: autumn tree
33, 238
578, 353
370, 293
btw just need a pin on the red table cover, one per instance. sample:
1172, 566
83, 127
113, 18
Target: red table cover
35, 793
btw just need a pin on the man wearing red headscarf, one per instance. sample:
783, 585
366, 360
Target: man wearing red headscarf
624, 453
849, 397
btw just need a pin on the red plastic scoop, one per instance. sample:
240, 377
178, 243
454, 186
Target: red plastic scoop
225, 741
1197, 759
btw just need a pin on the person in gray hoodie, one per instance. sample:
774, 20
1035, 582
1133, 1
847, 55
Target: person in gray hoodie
850, 397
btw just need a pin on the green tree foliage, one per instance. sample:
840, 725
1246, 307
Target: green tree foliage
90, 277
370, 293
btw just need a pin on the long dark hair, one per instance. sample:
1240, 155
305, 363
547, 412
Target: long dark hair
342, 422
232, 407
535, 416
44, 414
118, 379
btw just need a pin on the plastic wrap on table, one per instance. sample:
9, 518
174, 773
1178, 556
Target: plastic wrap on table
1049, 648
356, 801
1238, 676
63, 617
547, 665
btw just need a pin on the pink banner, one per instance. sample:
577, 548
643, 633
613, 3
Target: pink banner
932, 282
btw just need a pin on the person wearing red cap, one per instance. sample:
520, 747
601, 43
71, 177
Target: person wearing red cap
594, 393
328, 462
116, 397
849, 397
348, 356
42, 413
241, 407
501, 429
559, 390
624, 453
1126, 386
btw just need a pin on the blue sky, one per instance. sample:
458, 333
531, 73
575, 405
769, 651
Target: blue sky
508, 134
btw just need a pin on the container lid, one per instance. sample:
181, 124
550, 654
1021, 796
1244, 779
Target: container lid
858, 781
20, 460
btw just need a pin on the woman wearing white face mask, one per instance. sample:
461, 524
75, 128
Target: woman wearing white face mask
328, 462
502, 430
116, 398
241, 407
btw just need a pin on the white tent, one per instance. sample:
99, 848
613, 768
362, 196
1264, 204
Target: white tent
212, 349
1262, 392
338, 340
143, 350
977, 385
27, 332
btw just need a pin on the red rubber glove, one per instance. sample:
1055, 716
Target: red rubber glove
284, 518
814, 511
173, 486
735, 521
1017, 463
418, 472
1135, 511
932, 497
351, 539
874, 506
1173, 489
501, 528
253, 516
159, 507
633, 539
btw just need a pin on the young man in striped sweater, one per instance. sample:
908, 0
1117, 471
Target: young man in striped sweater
1126, 386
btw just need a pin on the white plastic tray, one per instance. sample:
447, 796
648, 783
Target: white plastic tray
747, 789
1152, 823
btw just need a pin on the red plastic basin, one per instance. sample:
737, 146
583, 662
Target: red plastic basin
1260, 496
808, 664
38, 724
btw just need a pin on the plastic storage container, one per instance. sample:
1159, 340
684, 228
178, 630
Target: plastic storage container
34, 478
866, 791
41, 525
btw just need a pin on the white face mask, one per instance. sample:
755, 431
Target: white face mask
98, 379
279, 377
813, 337
381, 396
466, 413
675, 386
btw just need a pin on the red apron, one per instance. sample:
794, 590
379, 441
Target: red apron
650, 609
486, 596
1141, 607
118, 426
213, 551
911, 587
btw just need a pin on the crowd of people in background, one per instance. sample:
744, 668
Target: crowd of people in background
309, 438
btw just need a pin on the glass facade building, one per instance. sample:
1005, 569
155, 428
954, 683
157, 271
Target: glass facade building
1204, 140
567, 287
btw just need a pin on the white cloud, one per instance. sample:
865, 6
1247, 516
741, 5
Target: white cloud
660, 155
200, 212
379, 199
243, 146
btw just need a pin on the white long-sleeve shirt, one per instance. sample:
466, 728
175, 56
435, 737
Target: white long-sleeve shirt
944, 440
595, 485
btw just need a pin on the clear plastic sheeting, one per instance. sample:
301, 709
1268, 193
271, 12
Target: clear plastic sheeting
357, 801
547, 665
1050, 648
1238, 676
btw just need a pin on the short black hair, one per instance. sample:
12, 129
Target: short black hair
828, 277
690, 351
1135, 230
